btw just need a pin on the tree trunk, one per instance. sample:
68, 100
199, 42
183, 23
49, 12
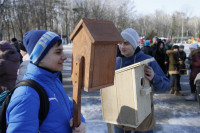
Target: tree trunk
1, 31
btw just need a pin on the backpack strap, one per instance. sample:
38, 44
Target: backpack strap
3, 124
44, 100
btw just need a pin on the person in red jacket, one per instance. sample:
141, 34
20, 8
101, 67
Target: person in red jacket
194, 58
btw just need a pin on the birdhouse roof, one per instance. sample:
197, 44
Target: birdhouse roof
98, 31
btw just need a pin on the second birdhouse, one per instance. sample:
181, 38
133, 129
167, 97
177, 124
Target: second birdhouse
128, 101
96, 41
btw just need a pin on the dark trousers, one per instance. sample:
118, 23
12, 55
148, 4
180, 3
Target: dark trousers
192, 86
174, 81
179, 85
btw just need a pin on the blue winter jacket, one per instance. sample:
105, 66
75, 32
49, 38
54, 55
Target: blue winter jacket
23, 109
160, 81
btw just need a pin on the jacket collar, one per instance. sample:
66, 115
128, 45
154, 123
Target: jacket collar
40, 73
132, 59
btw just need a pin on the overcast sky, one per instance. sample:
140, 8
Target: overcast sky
190, 7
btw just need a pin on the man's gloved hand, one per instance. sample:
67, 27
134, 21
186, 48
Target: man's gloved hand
80, 129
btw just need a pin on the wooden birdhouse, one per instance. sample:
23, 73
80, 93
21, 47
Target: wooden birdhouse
128, 101
96, 41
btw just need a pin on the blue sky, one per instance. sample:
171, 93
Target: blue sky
190, 7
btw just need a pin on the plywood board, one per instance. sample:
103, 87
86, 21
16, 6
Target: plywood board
124, 103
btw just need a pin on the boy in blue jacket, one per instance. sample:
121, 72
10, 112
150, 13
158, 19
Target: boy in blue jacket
46, 62
132, 54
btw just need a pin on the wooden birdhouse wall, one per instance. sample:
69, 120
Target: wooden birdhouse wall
83, 49
128, 101
103, 71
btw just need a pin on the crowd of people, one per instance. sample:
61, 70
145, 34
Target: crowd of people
40, 57
173, 61
170, 62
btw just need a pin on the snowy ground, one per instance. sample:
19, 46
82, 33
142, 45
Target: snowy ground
173, 114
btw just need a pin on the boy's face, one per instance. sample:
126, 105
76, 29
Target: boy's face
54, 59
126, 49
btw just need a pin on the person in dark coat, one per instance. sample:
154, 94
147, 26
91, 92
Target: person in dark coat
154, 45
15, 44
160, 56
9, 64
147, 49
182, 56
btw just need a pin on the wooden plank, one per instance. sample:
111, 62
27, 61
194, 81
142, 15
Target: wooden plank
76, 30
109, 104
135, 65
126, 97
77, 78
104, 68
82, 46
143, 101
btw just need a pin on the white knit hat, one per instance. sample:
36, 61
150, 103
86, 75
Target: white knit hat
194, 45
131, 36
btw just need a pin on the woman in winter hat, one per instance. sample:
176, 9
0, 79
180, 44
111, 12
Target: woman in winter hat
46, 62
132, 54
160, 56
9, 64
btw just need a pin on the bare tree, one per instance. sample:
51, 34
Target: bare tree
3, 7
61, 16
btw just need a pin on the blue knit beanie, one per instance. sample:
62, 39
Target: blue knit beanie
38, 43
131, 36
147, 43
